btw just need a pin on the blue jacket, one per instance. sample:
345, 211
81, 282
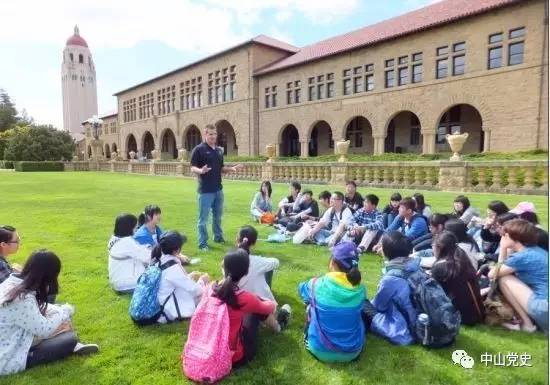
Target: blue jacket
396, 316
144, 237
414, 229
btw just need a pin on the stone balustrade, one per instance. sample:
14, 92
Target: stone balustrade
514, 177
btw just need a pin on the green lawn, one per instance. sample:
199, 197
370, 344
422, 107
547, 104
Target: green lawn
73, 214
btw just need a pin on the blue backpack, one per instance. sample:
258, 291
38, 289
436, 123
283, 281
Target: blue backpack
428, 297
145, 308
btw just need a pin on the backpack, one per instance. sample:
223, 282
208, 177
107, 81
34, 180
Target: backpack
428, 297
145, 308
206, 355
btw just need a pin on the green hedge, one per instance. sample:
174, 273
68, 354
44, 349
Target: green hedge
6, 164
39, 166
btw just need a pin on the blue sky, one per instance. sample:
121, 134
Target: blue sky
132, 41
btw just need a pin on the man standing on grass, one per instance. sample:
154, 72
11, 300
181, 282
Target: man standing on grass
207, 164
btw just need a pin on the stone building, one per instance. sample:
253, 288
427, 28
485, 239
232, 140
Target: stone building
401, 85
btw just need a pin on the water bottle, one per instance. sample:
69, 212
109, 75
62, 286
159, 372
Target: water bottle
423, 321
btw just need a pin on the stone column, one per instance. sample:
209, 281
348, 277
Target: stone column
486, 140
304, 148
379, 144
453, 176
428, 142
338, 173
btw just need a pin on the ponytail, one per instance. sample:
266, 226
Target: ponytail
141, 219
156, 253
226, 293
248, 236
245, 245
354, 276
235, 266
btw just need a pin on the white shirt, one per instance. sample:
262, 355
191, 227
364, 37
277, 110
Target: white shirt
127, 261
187, 292
473, 255
344, 216
20, 322
254, 281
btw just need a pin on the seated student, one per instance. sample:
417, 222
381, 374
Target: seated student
245, 309
491, 235
392, 313
32, 331
259, 277
463, 210
408, 222
392, 209
487, 225
421, 207
523, 276
149, 231
465, 241
261, 203
366, 225
307, 209
436, 226
179, 292
327, 231
453, 270
526, 210
127, 258
324, 202
291, 202
353, 199
9, 244
334, 329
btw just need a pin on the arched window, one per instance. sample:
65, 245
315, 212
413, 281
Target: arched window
80, 58
71, 56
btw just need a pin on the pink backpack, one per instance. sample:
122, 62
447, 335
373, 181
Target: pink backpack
206, 355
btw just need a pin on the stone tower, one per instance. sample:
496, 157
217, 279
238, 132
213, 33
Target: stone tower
79, 85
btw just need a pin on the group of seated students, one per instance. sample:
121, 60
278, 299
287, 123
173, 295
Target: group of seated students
455, 249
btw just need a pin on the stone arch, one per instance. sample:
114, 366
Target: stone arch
147, 144
168, 147
107, 151
358, 130
479, 104
348, 114
191, 137
320, 138
403, 132
289, 141
227, 137
461, 118
131, 145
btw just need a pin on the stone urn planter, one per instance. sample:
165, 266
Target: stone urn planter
132, 156
182, 155
271, 152
155, 155
456, 142
341, 148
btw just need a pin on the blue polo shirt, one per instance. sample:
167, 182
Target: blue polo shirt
202, 155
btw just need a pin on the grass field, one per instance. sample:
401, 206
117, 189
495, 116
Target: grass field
73, 214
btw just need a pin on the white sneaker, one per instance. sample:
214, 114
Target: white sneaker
84, 349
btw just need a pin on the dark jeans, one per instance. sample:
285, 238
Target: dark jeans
269, 278
422, 243
249, 337
52, 349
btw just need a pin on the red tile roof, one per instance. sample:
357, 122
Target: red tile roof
431, 16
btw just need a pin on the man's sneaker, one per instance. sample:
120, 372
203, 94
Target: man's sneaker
283, 316
204, 248
219, 240
84, 349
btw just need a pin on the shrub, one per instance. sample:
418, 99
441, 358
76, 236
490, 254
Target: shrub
39, 143
6, 164
39, 166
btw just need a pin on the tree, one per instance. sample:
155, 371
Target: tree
8, 113
39, 143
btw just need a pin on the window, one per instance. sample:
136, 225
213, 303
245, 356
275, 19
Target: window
297, 95
357, 84
311, 93
417, 73
289, 97
370, 82
330, 89
515, 53
390, 63
450, 124
347, 86
80, 58
403, 60
321, 86
441, 69
458, 65
403, 76
442, 50
271, 97
354, 133
369, 68
495, 38
267, 100
495, 57
415, 136
459, 47
293, 92
320, 91
274, 99
417, 56
390, 81
517, 32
